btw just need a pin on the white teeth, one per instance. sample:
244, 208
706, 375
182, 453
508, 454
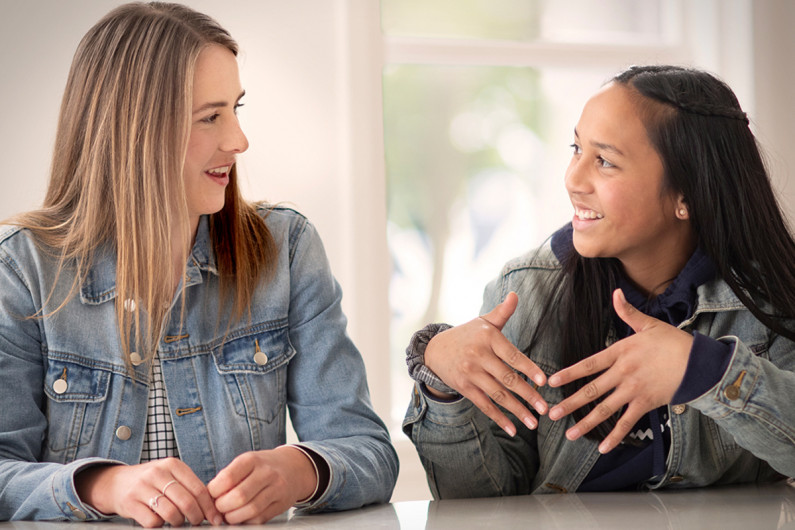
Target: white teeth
588, 214
219, 170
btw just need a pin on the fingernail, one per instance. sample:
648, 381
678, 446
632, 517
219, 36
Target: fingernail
573, 433
604, 448
554, 413
553, 381
530, 421
540, 406
539, 379
218, 520
510, 429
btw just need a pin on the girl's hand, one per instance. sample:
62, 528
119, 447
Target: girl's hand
137, 492
481, 364
643, 371
259, 485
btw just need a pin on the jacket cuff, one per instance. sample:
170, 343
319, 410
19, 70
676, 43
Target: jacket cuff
708, 361
64, 492
415, 358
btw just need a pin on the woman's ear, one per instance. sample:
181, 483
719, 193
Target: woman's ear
682, 211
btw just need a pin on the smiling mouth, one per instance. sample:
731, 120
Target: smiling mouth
219, 172
587, 215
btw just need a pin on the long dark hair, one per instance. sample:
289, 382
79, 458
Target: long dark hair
711, 157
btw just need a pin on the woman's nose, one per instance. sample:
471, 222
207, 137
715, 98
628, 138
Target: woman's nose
235, 140
576, 179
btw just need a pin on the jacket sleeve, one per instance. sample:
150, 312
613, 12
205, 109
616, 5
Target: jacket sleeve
328, 397
29, 488
753, 401
464, 453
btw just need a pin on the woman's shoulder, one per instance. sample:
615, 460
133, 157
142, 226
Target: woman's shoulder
538, 259
281, 220
16, 241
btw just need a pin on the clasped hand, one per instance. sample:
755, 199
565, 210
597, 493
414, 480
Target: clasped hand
255, 487
638, 373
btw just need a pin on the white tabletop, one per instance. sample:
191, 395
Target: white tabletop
749, 507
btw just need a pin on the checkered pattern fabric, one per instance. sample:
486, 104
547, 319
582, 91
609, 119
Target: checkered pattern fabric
159, 441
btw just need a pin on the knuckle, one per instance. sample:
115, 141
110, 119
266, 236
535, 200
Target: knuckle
513, 357
498, 396
509, 379
603, 410
625, 424
589, 363
590, 390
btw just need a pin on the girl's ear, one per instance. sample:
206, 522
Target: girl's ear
682, 212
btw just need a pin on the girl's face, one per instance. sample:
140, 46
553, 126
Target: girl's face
215, 136
615, 183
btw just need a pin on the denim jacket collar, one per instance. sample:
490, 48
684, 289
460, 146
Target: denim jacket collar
100, 284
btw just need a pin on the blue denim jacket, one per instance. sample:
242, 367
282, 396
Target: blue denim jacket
741, 430
223, 402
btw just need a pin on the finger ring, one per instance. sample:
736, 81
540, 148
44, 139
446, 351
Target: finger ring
153, 501
167, 485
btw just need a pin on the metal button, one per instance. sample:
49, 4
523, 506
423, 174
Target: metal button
678, 409
732, 392
59, 386
676, 478
77, 512
260, 358
135, 358
123, 433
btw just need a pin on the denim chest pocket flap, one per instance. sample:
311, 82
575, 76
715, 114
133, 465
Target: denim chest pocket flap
254, 367
76, 394
73, 382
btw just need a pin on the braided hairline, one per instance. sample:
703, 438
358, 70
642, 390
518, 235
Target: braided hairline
710, 111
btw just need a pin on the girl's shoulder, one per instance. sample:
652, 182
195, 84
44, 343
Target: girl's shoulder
538, 259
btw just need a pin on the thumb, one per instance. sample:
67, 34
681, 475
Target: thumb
637, 320
500, 315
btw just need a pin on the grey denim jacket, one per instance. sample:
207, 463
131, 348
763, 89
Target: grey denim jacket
741, 430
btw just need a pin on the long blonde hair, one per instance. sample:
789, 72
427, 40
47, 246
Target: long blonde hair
116, 176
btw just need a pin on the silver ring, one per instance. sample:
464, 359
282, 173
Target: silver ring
153, 501
167, 485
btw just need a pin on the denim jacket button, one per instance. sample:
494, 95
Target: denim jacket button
135, 358
123, 433
59, 386
732, 392
678, 409
260, 358
77, 512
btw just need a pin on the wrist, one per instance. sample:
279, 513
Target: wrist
307, 478
92, 485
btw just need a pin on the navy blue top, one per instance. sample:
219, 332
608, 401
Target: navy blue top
641, 456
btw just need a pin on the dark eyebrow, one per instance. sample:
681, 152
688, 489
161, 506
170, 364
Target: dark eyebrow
216, 104
603, 146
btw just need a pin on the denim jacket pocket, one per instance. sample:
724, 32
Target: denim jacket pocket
254, 367
75, 393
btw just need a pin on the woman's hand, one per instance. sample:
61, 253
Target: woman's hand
154, 493
481, 364
259, 485
643, 371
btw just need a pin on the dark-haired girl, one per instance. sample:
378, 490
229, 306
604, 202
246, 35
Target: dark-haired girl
647, 344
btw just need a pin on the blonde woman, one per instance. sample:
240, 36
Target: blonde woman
154, 325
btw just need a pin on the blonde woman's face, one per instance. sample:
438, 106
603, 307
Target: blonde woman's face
215, 137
